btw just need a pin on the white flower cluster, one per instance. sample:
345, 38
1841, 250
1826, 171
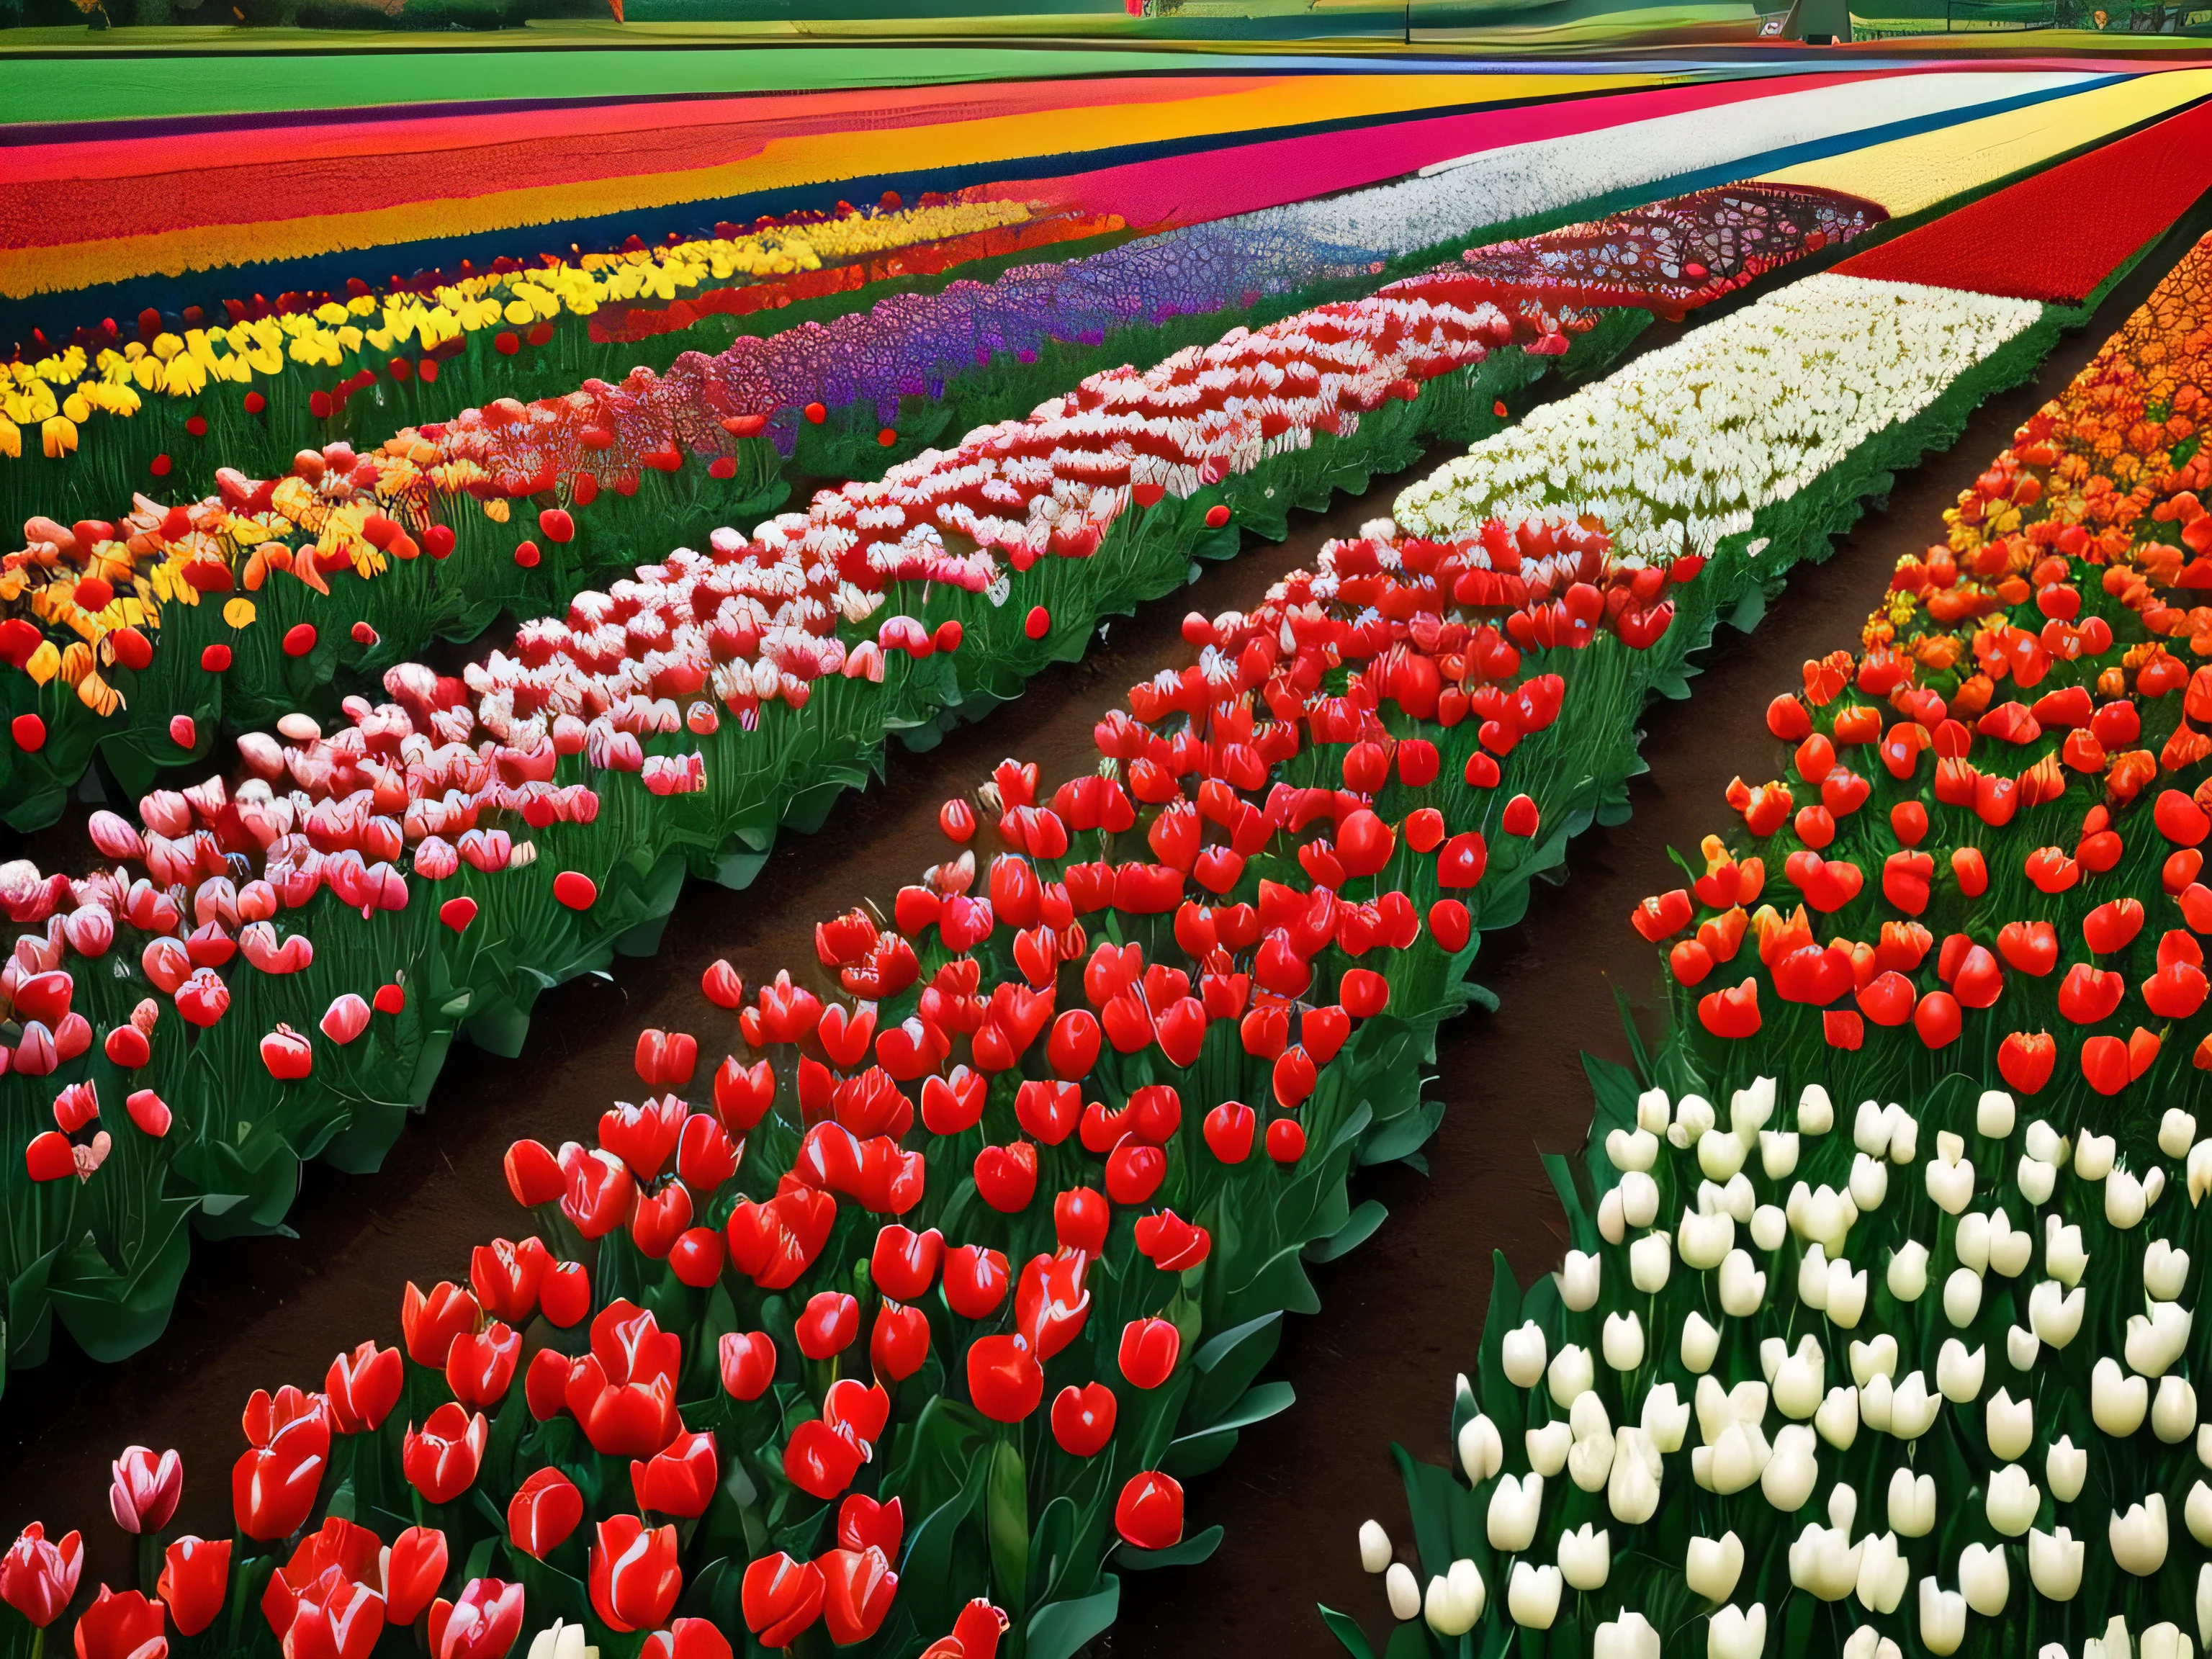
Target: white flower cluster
1684, 445
1516, 181
1984, 1333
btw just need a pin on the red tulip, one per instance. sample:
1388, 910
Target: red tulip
688, 1639
1658, 919
1006, 1177
899, 1342
533, 1175
1731, 1013
2105, 1064
1286, 1140
1072, 1049
821, 1462
858, 1589
780, 1598
1229, 1130
634, 1578
145, 1489
415, 1568
564, 1295
37, 1578
974, 1281
287, 1054
126, 1627
1462, 860
1171, 1242
748, 1364
1450, 925
545, 1511
623, 1391
904, 1263
828, 1325
1150, 1348
1005, 1381
195, 1575
1977, 982
2112, 925
679, 1481
336, 1552
666, 1060
431, 1323
1149, 1512
1080, 1217
2089, 994
441, 1461
273, 1484
480, 1365
600, 1191
2177, 991
485, 1623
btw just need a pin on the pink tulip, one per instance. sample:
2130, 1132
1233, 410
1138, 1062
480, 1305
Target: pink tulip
346, 1019
145, 1490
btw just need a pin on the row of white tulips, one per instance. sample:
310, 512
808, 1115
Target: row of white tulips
1866, 1353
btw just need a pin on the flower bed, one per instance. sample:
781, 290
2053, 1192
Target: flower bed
1944, 1388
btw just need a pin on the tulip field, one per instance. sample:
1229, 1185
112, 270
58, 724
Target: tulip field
391, 659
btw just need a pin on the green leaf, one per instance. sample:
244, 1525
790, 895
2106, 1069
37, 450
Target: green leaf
1059, 1629
1350, 1237
1226, 1365
1198, 1547
1007, 1517
1346, 1630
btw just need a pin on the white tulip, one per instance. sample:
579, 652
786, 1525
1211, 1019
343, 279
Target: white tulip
1624, 1341
1403, 1592
1651, 1260
2166, 1641
1703, 1240
2046, 1144
1816, 1112
1838, 1419
2056, 1317
1455, 1602
1611, 1218
1942, 1618
1911, 1504
1589, 1462
1904, 1135
1515, 1508
2012, 1501
1847, 1294
1959, 1374
2153, 1343
1632, 1491
1777, 1153
1585, 1557
1732, 1461
1970, 1242
1720, 1154
1533, 1596
1738, 1199
1908, 1271
1632, 1149
1870, 1129
1869, 1359
2054, 1564
1481, 1449
2117, 1402
1843, 1508
1770, 1225
1374, 1546
1578, 1282
1743, 1288
1735, 1634
1822, 1215
2124, 1200
1653, 1114
1813, 1277
2112, 1644
1824, 1562
1993, 1113
1962, 1297
1639, 1199
2021, 1347
2138, 1538
1913, 1409
1713, 1566
1792, 1471
1629, 1637
2177, 1130
2011, 1426
1750, 1106
2092, 1158
1700, 1343
1877, 1399
1571, 1373
2197, 1510
1547, 1447
2200, 1171
1694, 1117
1869, 1182
1952, 1184
2154, 1186
2063, 1258
1523, 1353
1665, 1418
1984, 1579
1799, 1383
2011, 1248
2066, 1467
2174, 1410
562, 1640
2166, 1271
1884, 1573
2036, 1179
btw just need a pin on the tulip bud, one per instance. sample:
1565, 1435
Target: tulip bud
1911, 1504
1402, 1592
2057, 1318
2197, 1512
1816, 1112
1870, 1181
1838, 1418
1703, 1241
1908, 1271
1515, 1508
2124, 1200
2166, 1271
1639, 1199
1713, 1565
1777, 1153
2054, 1564
1743, 1289
1666, 1419
1700, 1343
2012, 1501
1629, 1637
2177, 1131
1533, 1596
1847, 1294
1957, 1374
1942, 1618
2138, 1537
1578, 1282
1653, 1112
1734, 1634
1455, 1602
1994, 1113
1874, 1358
1571, 1373
1651, 1260
2117, 1402
1624, 1341
1547, 1447
1374, 1546
1632, 1485
1791, 1473
1884, 1577
1522, 1352
1983, 1580
1481, 1451
2173, 1413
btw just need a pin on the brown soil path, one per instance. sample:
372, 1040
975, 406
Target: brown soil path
1401, 1313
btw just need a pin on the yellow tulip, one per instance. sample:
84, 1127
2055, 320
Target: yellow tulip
185, 377
46, 662
57, 436
76, 407
239, 612
75, 662
11, 440
96, 694
517, 312
331, 313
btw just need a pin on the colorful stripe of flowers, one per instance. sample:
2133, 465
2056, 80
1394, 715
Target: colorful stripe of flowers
1944, 1388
